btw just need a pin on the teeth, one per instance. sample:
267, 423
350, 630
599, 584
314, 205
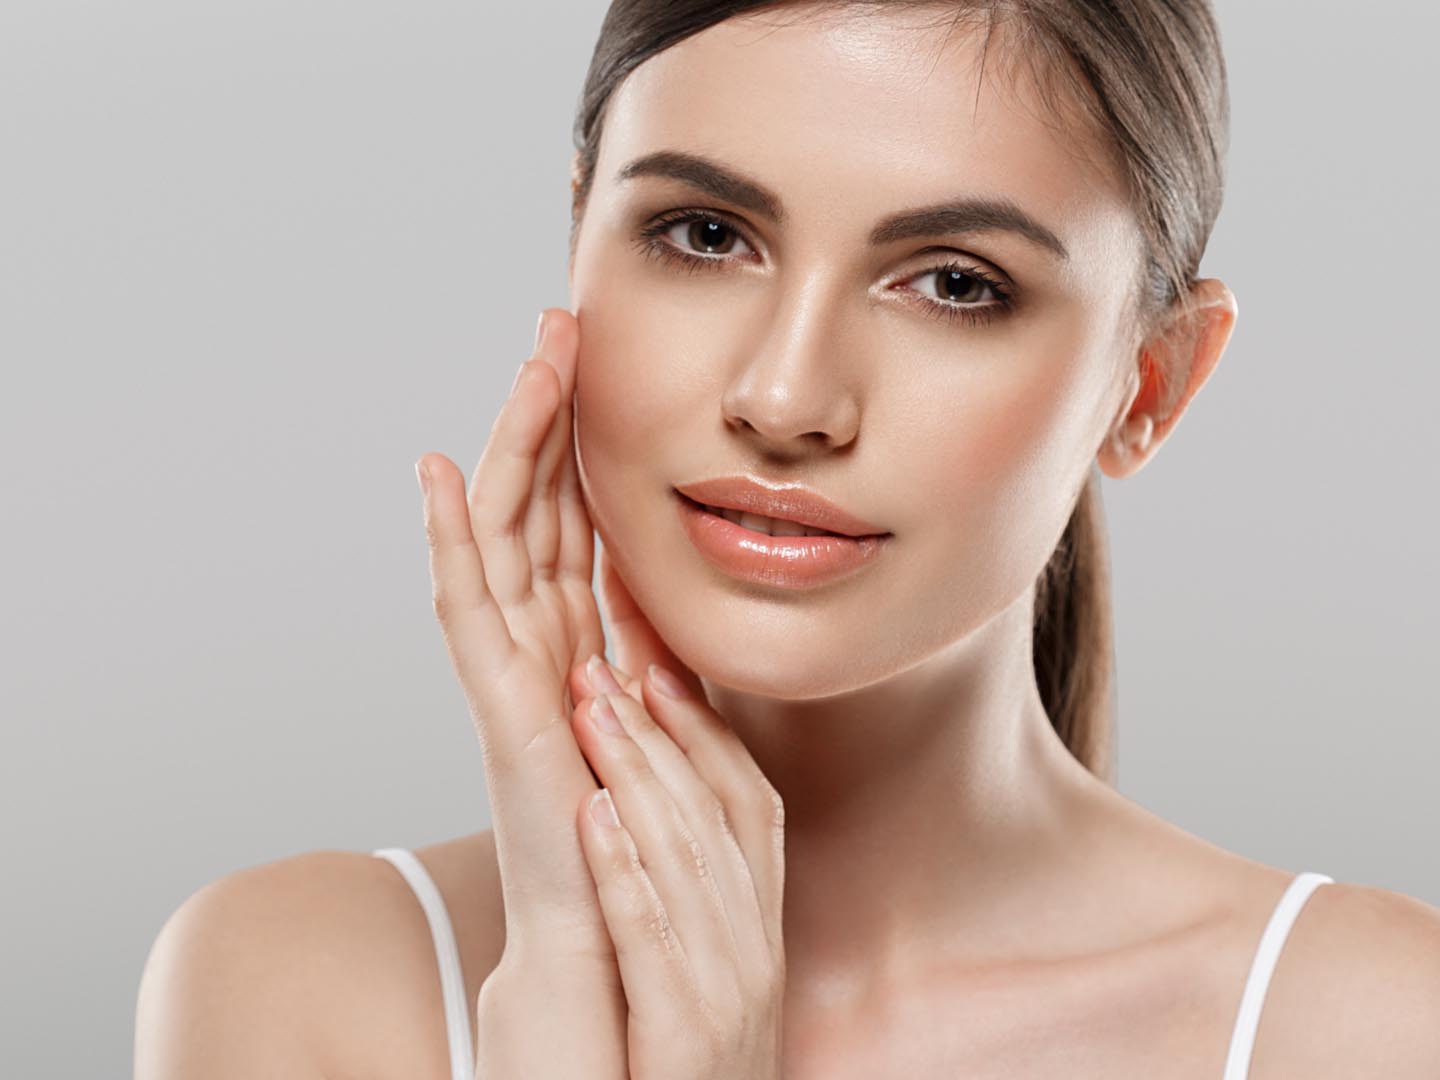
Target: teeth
777, 526
767, 525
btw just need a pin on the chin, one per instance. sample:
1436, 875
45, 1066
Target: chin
791, 656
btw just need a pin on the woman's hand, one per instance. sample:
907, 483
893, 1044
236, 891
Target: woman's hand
577, 991
511, 567
689, 863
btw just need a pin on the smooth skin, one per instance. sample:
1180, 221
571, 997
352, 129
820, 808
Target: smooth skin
653, 947
960, 896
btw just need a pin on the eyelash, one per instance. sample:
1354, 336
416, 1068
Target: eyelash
653, 244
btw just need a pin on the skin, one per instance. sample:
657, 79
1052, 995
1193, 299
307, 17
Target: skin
961, 897
957, 833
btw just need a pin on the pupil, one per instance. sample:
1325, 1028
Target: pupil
953, 277
708, 234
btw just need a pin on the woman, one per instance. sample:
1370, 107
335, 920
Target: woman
905, 273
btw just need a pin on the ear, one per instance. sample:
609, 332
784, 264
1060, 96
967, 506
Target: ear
1174, 363
575, 209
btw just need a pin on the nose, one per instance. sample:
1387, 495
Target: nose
795, 395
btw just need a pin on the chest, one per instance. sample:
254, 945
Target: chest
1086, 1022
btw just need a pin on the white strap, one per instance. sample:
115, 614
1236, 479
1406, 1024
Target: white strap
1242, 1041
452, 983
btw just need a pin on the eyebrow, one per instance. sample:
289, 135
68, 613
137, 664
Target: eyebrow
972, 214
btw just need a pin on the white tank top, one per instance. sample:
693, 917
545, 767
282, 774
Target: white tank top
457, 1006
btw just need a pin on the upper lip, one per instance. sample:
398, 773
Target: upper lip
793, 502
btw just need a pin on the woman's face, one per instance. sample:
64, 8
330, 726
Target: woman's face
795, 349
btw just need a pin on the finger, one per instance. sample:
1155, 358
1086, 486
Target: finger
653, 963
577, 532
583, 681
473, 625
483, 652
755, 812
710, 818
753, 809
500, 489
589, 639
555, 342
637, 643
690, 868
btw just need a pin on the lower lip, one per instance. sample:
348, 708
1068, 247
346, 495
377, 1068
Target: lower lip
791, 562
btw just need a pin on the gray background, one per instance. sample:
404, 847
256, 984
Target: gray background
257, 258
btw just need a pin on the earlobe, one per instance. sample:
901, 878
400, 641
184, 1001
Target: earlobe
1137, 431
1128, 446
1128, 440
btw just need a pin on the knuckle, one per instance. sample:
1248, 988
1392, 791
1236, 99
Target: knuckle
721, 817
769, 806
686, 847
647, 912
631, 872
490, 526
488, 521
657, 926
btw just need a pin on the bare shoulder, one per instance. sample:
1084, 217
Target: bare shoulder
468, 877
307, 966
1356, 989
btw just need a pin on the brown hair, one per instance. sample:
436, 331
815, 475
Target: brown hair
1148, 75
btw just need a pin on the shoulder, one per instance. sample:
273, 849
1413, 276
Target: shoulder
281, 969
1356, 989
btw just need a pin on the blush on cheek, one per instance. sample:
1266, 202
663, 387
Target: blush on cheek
634, 437
640, 385
995, 467
1023, 433
617, 406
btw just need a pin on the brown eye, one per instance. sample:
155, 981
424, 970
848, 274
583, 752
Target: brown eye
710, 236
961, 294
959, 287
707, 243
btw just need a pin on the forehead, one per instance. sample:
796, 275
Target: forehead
848, 114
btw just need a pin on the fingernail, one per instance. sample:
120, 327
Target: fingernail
602, 809
667, 683
516, 381
603, 713
423, 475
539, 332
598, 672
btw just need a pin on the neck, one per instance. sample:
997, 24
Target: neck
916, 809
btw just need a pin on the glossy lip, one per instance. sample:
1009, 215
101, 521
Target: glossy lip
792, 502
791, 562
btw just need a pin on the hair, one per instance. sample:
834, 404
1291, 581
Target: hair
1147, 76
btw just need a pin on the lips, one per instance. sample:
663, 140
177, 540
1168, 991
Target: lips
792, 503
770, 526
784, 561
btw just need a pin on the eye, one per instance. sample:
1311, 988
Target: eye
715, 236
958, 288
679, 235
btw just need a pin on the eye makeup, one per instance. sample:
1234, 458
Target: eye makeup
653, 243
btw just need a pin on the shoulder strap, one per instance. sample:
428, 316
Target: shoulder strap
1247, 1020
452, 984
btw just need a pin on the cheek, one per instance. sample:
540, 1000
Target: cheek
637, 401
1001, 456
610, 403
